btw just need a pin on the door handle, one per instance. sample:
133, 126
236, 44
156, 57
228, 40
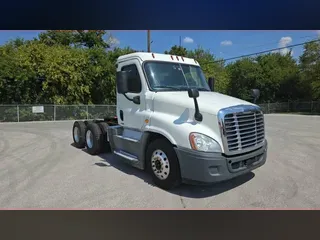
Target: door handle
121, 115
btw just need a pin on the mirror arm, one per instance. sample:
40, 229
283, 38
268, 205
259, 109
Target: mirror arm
135, 100
197, 114
194, 93
127, 97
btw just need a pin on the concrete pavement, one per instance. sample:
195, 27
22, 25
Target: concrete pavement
39, 168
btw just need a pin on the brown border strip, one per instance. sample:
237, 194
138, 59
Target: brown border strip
166, 224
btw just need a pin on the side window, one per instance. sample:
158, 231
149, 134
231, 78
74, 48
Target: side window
135, 84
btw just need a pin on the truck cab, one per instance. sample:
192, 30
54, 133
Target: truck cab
171, 123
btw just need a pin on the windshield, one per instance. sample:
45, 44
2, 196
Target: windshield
164, 76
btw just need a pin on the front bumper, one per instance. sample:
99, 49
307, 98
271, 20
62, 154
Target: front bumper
201, 167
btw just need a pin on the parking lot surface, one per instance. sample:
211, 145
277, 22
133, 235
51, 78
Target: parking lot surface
39, 168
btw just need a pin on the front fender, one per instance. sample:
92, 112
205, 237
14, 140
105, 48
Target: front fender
177, 132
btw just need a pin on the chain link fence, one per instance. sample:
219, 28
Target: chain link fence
26, 113
312, 107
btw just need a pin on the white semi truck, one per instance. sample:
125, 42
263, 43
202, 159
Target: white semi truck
170, 122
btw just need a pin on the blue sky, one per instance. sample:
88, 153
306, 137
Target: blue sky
224, 44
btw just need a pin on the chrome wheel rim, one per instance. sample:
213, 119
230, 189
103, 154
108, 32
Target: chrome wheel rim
76, 134
160, 164
89, 139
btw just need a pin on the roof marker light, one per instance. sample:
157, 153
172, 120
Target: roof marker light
182, 58
177, 58
152, 55
171, 57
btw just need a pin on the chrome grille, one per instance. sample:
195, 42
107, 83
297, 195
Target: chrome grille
242, 130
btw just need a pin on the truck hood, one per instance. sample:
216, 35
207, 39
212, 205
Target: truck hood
209, 102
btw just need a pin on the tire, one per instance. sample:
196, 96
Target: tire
79, 138
93, 142
168, 176
105, 145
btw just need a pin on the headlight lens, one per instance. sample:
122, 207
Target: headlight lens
203, 143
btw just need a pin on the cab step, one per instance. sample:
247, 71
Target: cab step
127, 138
126, 155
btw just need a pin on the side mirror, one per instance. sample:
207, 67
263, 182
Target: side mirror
122, 80
255, 93
211, 83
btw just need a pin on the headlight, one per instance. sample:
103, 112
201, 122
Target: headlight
203, 143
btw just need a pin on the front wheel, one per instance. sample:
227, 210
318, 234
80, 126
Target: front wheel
163, 164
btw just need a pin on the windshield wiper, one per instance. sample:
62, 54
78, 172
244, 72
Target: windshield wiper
171, 87
181, 88
203, 89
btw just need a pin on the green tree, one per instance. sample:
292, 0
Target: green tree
177, 50
101, 73
78, 38
91, 39
53, 74
52, 37
9, 93
73, 67
280, 77
276, 75
15, 43
310, 69
212, 67
109, 87
245, 74
17, 75
57, 71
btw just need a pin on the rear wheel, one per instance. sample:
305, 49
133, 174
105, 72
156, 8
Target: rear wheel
78, 134
163, 164
93, 139
105, 145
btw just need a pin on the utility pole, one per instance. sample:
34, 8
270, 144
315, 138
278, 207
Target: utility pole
180, 42
149, 41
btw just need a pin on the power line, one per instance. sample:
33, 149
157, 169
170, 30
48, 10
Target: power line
265, 44
266, 51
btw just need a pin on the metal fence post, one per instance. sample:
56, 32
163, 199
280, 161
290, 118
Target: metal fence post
268, 108
87, 108
54, 112
18, 114
311, 106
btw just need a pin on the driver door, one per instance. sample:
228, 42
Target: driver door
130, 114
